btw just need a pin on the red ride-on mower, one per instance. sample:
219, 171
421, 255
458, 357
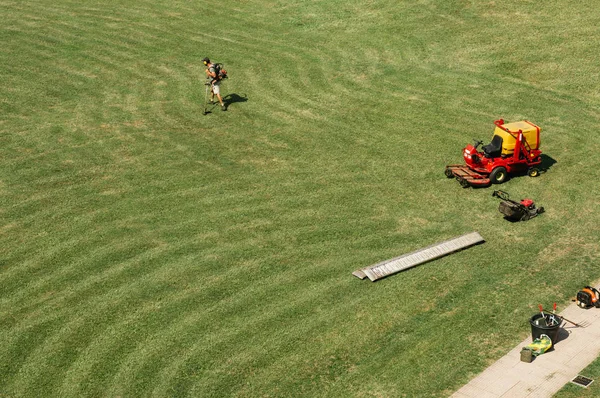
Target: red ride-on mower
514, 149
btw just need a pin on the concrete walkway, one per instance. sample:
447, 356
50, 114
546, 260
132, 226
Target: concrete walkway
549, 372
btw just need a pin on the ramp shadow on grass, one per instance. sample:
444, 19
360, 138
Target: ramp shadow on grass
547, 163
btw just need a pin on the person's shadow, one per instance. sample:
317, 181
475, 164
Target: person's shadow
234, 98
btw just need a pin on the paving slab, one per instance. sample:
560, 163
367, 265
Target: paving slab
510, 378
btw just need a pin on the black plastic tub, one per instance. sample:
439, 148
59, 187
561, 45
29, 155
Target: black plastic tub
539, 327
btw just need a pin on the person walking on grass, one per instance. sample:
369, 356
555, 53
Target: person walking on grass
212, 73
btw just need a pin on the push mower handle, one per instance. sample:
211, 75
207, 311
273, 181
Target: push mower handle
501, 194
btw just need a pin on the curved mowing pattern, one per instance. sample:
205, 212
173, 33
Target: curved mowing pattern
148, 250
131, 267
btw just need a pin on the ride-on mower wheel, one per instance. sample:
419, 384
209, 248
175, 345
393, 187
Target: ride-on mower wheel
533, 172
498, 175
464, 183
448, 173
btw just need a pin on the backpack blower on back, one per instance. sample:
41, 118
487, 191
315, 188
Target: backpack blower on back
221, 73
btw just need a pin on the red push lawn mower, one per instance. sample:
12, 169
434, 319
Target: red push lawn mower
514, 149
516, 211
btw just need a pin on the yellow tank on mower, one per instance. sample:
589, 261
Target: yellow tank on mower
515, 147
506, 132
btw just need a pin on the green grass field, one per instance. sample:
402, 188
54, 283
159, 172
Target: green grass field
149, 250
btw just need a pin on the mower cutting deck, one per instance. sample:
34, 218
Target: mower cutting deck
514, 148
467, 177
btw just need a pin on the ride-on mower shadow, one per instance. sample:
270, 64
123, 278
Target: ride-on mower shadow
547, 162
543, 167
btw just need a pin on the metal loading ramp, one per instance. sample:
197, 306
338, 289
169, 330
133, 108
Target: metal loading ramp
389, 267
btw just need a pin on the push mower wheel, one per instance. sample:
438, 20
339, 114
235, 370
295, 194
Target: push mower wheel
533, 172
448, 173
498, 175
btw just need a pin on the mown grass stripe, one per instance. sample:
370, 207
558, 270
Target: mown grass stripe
146, 249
